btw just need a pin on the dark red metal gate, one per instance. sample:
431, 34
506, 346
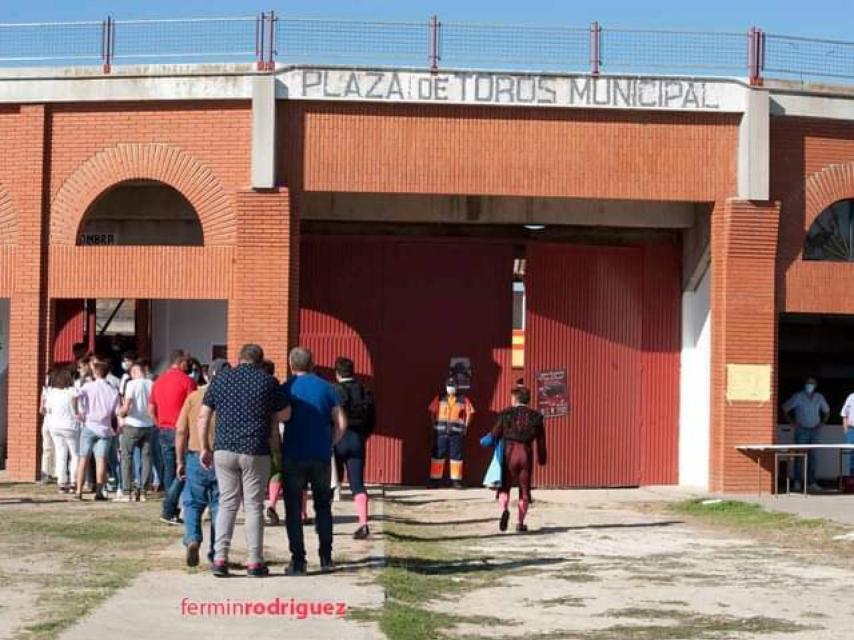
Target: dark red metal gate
401, 307
610, 317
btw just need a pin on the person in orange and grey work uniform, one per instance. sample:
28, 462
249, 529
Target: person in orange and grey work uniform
451, 413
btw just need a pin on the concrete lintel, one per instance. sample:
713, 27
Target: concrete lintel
384, 207
17, 90
754, 147
263, 132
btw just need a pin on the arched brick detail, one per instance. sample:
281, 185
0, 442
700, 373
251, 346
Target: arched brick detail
8, 222
162, 162
822, 189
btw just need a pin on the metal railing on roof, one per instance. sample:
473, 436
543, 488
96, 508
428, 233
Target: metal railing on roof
267, 39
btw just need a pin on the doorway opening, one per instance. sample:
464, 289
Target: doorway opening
151, 329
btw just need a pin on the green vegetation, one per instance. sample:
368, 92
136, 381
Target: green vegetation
63, 543
745, 515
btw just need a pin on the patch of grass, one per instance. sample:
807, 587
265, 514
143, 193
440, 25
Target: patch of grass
575, 577
693, 627
407, 622
745, 515
94, 550
563, 601
812, 536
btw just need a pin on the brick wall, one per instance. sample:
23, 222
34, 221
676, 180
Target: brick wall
509, 151
58, 160
812, 167
259, 309
743, 249
27, 316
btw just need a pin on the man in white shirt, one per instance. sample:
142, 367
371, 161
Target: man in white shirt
807, 411
847, 414
136, 431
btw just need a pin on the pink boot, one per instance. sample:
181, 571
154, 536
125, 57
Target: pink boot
361, 500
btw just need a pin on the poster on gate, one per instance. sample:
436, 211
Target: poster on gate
552, 393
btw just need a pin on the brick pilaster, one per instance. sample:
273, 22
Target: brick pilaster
265, 274
744, 250
27, 306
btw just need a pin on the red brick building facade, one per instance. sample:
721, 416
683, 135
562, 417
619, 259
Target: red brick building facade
61, 154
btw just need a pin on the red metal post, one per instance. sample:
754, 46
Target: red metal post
108, 27
433, 52
752, 72
259, 41
595, 48
272, 51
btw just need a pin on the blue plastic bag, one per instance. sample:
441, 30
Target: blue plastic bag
492, 479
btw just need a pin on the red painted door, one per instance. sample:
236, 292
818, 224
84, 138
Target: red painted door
584, 314
401, 308
69, 327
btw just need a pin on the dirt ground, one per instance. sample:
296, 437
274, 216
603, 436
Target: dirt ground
593, 566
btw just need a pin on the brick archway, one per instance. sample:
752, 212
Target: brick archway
8, 221
162, 162
822, 189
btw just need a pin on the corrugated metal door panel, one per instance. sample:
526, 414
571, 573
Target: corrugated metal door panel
584, 309
69, 327
444, 299
403, 308
340, 315
661, 347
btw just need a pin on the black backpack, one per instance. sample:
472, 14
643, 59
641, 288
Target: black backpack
358, 405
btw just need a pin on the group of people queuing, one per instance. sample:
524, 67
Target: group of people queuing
215, 440
220, 438
101, 431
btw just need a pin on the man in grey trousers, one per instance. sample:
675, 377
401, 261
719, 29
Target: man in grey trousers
249, 406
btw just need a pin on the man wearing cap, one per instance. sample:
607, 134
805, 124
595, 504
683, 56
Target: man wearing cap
450, 414
202, 488
807, 411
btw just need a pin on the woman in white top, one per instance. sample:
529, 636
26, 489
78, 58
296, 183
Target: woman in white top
59, 407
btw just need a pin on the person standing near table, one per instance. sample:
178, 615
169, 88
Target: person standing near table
847, 414
807, 410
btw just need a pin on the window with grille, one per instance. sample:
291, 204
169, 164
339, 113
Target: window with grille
831, 236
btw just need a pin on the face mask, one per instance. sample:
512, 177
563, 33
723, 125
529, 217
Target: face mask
451, 391
125, 366
809, 388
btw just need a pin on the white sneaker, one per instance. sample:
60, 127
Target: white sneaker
815, 487
121, 498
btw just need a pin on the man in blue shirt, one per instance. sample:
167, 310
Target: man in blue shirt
807, 411
317, 422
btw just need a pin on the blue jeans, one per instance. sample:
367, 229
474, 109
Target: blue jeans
806, 436
114, 459
202, 491
156, 458
849, 438
172, 484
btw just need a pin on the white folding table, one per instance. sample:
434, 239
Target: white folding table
789, 452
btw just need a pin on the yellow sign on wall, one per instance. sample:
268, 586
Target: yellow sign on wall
748, 382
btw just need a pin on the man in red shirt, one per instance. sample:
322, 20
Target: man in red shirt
167, 398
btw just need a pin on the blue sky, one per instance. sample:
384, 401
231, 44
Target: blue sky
818, 18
